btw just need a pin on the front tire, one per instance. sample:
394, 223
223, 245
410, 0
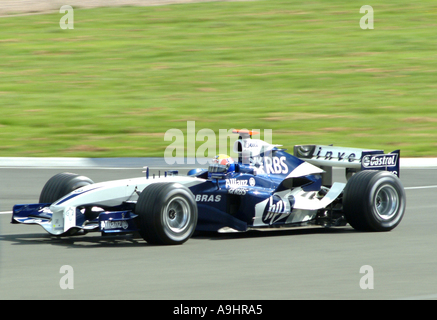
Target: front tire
62, 184
167, 213
374, 201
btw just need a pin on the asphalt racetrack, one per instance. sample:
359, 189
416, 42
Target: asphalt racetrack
299, 264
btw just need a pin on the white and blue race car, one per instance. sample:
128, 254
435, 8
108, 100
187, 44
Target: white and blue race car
266, 188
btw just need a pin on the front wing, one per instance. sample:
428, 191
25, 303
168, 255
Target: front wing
73, 220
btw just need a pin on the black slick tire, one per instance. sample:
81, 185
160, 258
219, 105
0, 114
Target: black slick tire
374, 201
167, 213
60, 185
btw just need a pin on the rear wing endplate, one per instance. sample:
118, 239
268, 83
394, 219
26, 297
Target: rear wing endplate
352, 159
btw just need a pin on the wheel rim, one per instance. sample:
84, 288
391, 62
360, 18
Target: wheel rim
176, 215
386, 202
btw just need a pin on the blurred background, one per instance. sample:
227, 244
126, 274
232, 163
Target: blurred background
130, 71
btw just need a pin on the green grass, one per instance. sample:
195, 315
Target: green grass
113, 85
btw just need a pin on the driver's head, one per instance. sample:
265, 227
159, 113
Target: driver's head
224, 161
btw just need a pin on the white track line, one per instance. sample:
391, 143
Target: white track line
423, 187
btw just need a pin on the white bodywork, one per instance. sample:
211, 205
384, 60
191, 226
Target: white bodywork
108, 193
305, 207
112, 193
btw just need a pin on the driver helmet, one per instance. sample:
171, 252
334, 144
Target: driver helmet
225, 161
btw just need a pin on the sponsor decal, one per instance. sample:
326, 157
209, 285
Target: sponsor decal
251, 144
238, 191
339, 155
208, 198
277, 208
234, 183
270, 165
252, 182
69, 214
381, 160
110, 225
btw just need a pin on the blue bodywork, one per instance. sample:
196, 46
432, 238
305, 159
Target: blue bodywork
229, 200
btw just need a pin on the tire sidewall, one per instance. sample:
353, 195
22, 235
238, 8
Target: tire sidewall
373, 218
190, 225
151, 211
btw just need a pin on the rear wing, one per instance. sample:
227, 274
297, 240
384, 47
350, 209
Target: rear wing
352, 159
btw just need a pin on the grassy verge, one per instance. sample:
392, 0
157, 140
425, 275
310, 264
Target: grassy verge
122, 77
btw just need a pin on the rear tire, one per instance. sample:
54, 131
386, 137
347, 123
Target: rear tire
62, 184
167, 213
374, 201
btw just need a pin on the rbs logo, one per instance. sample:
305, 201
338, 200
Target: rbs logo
275, 165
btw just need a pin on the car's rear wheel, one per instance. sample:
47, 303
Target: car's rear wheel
167, 213
62, 184
374, 201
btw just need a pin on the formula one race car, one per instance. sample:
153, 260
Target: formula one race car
266, 188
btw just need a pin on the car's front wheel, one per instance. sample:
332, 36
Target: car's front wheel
374, 201
167, 213
62, 184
